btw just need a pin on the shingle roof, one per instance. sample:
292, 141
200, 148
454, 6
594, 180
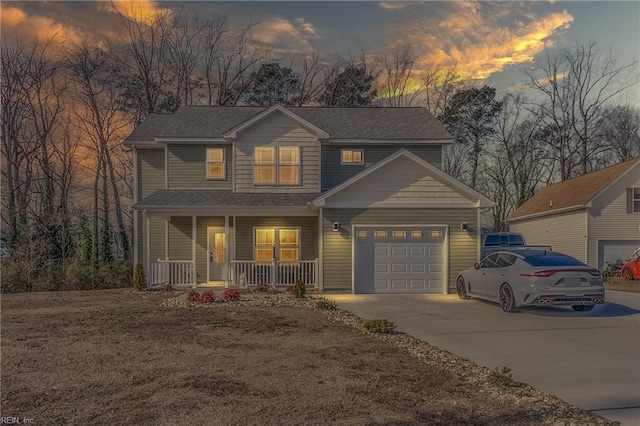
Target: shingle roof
340, 123
576, 192
170, 198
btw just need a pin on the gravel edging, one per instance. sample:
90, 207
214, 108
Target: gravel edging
498, 384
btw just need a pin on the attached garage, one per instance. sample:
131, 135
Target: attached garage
614, 250
400, 259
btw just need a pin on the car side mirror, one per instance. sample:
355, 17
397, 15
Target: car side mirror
476, 266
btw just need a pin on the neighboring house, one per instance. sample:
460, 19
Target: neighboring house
594, 217
349, 199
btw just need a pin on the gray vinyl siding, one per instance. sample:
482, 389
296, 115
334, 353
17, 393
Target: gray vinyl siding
187, 167
608, 217
158, 232
564, 232
277, 130
334, 173
180, 247
337, 247
308, 234
150, 171
201, 244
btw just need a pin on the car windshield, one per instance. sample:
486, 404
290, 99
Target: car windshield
552, 260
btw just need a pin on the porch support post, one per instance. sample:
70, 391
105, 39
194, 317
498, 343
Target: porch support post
194, 229
148, 244
226, 252
320, 263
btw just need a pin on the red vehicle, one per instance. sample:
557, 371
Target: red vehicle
631, 269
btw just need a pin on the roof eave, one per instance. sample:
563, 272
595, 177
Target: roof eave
232, 134
548, 213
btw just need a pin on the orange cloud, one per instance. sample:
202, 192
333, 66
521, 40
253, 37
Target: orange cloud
393, 5
25, 27
472, 36
285, 36
140, 10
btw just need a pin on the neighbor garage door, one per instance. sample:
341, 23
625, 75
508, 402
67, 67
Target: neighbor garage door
400, 259
614, 250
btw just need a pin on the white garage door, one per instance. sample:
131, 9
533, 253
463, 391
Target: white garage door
614, 250
400, 259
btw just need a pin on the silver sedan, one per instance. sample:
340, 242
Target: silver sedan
518, 278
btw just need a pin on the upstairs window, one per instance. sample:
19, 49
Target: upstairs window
215, 163
279, 166
352, 156
264, 168
636, 200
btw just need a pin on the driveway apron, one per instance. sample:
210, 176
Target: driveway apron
589, 359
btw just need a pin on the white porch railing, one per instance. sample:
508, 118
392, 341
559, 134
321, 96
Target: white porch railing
174, 272
244, 273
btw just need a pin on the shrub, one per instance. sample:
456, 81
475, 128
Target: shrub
231, 294
379, 326
326, 304
139, 280
207, 297
289, 289
167, 288
502, 376
193, 296
299, 289
262, 288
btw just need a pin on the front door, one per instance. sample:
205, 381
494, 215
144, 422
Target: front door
217, 253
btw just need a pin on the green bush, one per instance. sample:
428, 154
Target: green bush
299, 288
326, 304
379, 326
139, 280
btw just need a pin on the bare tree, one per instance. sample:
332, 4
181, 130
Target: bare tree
619, 131
397, 85
576, 84
309, 68
102, 123
440, 84
184, 54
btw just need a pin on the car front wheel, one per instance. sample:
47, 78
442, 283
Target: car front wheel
461, 289
582, 308
507, 299
627, 274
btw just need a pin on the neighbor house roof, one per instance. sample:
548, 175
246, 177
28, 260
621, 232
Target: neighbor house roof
573, 193
204, 122
180, 198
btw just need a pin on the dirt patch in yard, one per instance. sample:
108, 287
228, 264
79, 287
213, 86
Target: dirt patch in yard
620, 284
119, 357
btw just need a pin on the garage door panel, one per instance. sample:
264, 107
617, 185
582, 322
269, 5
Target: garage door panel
398, 261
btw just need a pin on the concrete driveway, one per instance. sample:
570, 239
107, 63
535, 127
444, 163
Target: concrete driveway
590, 359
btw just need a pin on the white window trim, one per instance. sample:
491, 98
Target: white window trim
224, 164
276, 165
276, 241
343, 163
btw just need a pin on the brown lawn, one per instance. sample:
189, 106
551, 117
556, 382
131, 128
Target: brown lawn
118, 357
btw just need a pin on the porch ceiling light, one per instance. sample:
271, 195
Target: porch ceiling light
336, 227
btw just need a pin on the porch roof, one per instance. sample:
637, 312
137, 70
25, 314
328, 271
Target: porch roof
195, 198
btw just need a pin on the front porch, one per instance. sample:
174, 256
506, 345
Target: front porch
242, 274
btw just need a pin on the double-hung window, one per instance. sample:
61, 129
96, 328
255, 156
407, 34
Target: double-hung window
636, 200
215, 163
284, 243
276, 165
352, 156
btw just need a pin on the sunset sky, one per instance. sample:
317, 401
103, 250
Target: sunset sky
492, 42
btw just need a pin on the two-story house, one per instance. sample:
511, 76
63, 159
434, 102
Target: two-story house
349, 199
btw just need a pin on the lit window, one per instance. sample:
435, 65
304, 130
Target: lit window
416, 234
284, 242
281, 166
264, 169
215, 163
434, 234
362, 234
288, 165
380, 234
350, 156
399, 234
